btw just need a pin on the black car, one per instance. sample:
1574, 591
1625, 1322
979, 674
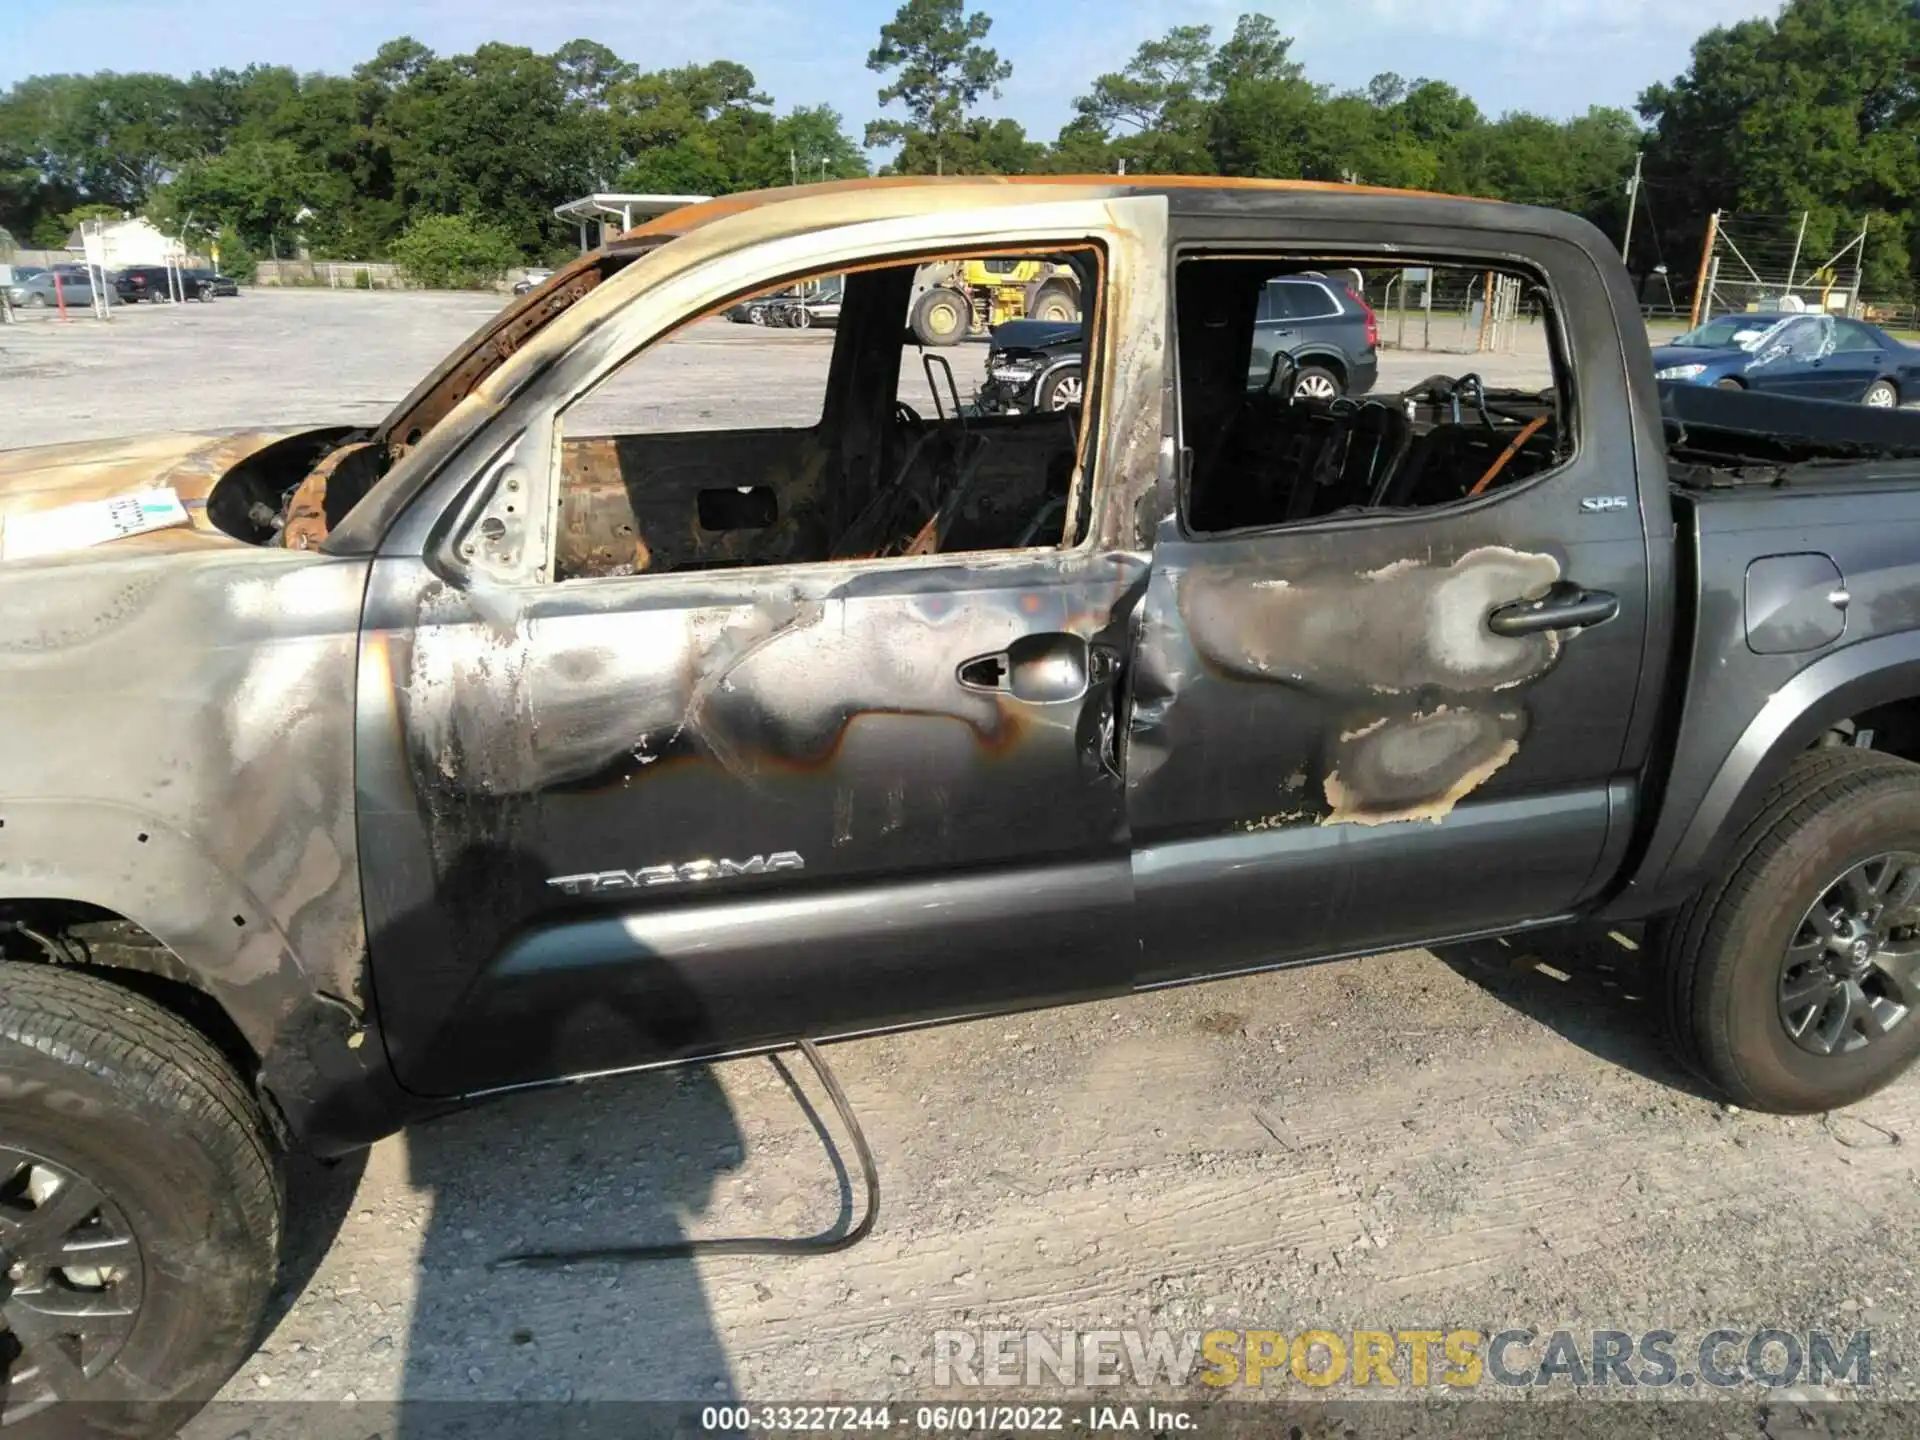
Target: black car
156, 283
210, 284
1311, 333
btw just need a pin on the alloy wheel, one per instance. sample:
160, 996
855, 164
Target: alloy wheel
1851, 974
71, 1286
1315, 387
1066, 393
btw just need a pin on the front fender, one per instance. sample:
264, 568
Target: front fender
120, 859
320, 1058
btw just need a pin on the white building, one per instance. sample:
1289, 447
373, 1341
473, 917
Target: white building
131, 242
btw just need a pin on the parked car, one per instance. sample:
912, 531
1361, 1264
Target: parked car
532, 280
790, 733
211, 284
1312, 335
75, 288
157, 284
803, 309
1821, 357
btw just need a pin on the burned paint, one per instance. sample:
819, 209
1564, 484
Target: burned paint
1404, 627
210, 800
329, 490
1376, 688
1417, 766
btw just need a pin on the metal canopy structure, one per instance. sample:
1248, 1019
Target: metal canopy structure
606, 210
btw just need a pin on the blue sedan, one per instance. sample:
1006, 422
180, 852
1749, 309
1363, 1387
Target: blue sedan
1820, 357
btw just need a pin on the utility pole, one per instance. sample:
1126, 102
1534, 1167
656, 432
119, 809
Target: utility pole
793, 165
1793, 270
1633, 201
1706, 255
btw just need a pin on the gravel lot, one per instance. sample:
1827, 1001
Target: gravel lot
1491, 1137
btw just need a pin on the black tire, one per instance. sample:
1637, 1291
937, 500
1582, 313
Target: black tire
1317, 382
1059, 391
40, 300
942, 316
105, 1087
1882, 395
1728, 384
1725, 952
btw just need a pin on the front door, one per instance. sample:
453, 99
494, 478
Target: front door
1391, 647
807, 726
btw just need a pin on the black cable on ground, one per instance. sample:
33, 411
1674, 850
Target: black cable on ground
736, 1245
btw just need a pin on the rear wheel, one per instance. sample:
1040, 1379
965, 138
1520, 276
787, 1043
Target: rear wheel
1793, 980
1881, 395
942, 317
139, 1210
1055, 305
1316, 382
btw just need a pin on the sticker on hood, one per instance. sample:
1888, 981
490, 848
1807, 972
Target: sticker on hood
90, 522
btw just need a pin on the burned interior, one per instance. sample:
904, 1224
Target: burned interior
1262, 452
896, 460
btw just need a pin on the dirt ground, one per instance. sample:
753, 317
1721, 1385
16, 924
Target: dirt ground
1490, 1137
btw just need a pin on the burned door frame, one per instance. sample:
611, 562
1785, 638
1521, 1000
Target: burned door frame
1271, 855
503, 717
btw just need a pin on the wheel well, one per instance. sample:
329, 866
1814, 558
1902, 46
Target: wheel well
1325, 361
1892, 729
114, 948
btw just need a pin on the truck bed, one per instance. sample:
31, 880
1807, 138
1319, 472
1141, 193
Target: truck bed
1722, 438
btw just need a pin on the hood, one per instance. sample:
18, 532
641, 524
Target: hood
1035, 334
193, 466
1668, 355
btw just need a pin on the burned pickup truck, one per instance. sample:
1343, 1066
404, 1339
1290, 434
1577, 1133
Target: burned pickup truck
550, 730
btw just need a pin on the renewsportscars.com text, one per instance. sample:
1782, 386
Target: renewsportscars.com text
1415, 1358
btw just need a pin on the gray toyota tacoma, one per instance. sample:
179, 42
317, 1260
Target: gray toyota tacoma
527, 737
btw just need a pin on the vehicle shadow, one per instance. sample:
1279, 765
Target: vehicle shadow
593, 1348
1584, 983
319, 1199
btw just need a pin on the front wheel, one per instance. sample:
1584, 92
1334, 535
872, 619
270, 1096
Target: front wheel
1060, 390
1793, 979
1881, 395
139, 1209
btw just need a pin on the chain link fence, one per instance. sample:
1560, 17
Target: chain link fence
1444, 309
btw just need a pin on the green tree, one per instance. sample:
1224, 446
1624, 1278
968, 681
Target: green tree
1817, 111
260, 189
941, 69
454, 252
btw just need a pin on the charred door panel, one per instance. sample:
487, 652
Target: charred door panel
1354, 732
637, 819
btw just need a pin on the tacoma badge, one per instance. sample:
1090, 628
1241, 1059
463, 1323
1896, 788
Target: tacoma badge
686, 873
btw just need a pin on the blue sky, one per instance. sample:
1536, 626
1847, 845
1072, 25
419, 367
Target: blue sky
1555, 57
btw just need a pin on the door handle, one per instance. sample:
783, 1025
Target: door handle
1565, 607
1045, 669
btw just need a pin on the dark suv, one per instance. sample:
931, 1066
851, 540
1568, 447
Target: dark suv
1311, 333
152, 282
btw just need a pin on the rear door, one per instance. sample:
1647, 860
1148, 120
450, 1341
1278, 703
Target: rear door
1858, 359
701, 781
1406, 716
1794, 360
